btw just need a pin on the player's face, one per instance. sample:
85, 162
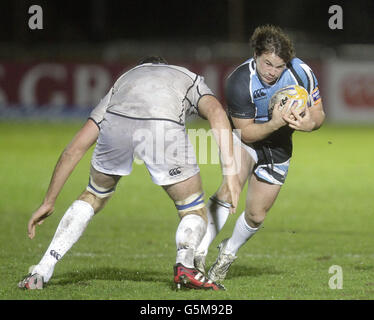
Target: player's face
269, 67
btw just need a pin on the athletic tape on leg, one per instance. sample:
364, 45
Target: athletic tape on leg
220, 202
192, 203
99, 191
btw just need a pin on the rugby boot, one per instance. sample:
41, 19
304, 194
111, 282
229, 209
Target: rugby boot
31, 282
193, 279
219, 269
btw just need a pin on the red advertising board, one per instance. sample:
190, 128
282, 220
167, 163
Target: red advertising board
44, 86
350, 85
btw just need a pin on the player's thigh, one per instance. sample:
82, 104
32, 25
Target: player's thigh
261, 196
103, 180
184, 189
244, 164
188, 197
100, 188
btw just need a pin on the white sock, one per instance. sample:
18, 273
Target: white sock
218, 212
191, 230
241, 234
69, 230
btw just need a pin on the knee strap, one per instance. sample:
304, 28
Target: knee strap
192, 203
99, 191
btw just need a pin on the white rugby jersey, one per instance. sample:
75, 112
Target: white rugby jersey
154, 91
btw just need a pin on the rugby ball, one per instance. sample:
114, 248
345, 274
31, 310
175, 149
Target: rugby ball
298, 96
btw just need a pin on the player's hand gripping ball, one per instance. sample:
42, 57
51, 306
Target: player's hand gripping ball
300, 99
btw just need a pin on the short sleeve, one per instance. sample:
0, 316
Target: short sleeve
196, 92
306, 78
97, 114
237, 94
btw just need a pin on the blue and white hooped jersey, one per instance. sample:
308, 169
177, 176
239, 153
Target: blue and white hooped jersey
248, 97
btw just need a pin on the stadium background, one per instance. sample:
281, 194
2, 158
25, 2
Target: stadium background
65, 68
51, 78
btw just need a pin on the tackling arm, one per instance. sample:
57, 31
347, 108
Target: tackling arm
211, 109
69, 158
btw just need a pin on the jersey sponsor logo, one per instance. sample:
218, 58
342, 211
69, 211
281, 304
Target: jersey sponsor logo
55, 254
175, 171
259, 94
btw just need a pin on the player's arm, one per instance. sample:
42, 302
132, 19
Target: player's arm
252, 132
312, 120
211, 109
242, 108
314, 115
69, 158
66, 163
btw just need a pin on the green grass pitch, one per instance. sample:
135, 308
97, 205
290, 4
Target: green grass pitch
323, 217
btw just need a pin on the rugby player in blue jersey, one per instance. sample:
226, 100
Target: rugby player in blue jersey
264, 146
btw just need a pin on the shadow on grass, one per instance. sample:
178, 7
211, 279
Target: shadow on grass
109, 273
237, 271
83, 277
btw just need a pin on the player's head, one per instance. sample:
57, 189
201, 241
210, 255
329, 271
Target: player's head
273, 49
153, 59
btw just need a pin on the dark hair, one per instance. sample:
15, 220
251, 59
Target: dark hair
269, 38
153, 59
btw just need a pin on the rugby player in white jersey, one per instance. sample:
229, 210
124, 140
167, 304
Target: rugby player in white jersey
143, 115
265, 144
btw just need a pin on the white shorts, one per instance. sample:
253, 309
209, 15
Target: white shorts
162, 145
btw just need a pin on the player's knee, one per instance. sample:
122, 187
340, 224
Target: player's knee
98, 190
200, 212
194, 204
255, 217
96, 202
